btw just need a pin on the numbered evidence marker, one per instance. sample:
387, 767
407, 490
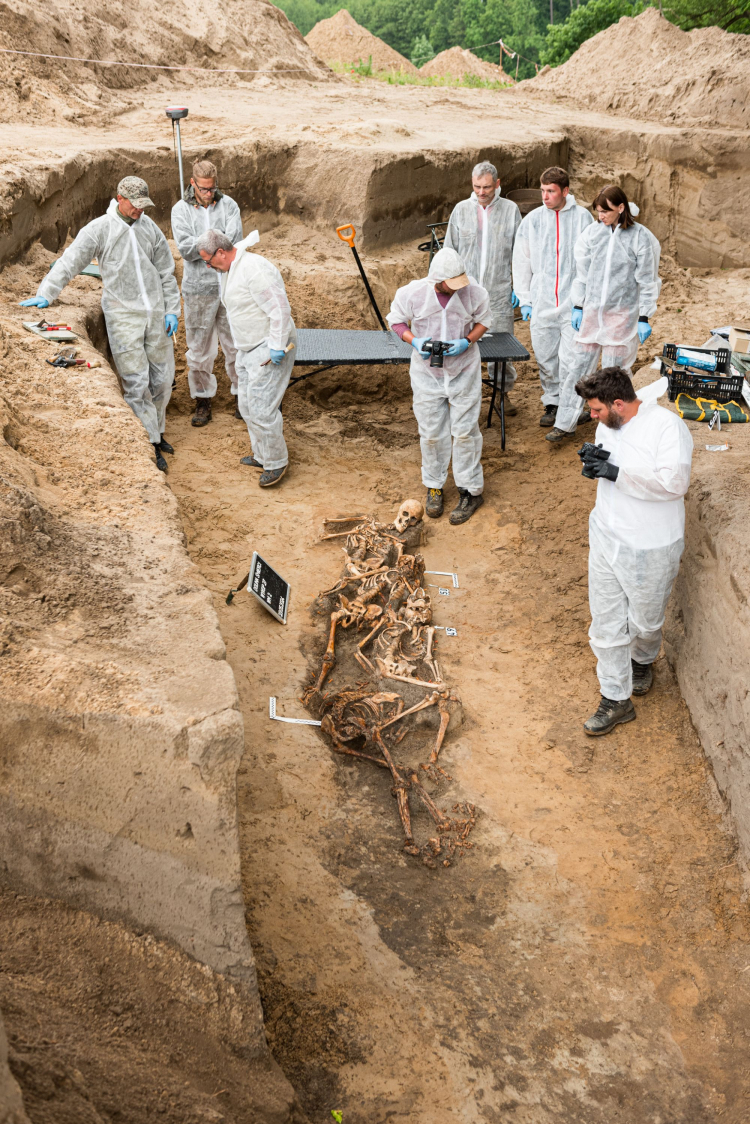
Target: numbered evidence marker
269, 588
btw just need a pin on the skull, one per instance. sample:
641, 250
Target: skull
410, 513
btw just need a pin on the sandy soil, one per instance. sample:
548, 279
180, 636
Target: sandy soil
647, 67
585, 961
457, 63
340, 39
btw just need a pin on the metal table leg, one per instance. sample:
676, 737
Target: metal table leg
502, 407
494, 392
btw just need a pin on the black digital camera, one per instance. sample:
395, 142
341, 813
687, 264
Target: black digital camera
589, 452
436, 349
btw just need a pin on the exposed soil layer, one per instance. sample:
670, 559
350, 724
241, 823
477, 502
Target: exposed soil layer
648, 68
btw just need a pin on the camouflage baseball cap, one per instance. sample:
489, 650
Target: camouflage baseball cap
134, 189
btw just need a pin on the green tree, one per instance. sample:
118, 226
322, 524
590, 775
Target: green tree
422, 51
565, 38
731, 15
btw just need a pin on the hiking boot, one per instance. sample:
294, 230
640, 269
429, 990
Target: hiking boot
434, 504
161, 464
237, 414
548, 417
252, 462
510, 409
608, 715
557, 436
271, 476
584, 418
465, 507
165, 446
202, 415
643, 677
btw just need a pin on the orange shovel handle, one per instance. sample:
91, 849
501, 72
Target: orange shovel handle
345, 237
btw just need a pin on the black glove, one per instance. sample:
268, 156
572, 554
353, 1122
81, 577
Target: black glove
602, 470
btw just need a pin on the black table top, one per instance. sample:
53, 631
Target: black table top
321, 346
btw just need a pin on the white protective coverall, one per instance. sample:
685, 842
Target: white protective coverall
260, 317
543, 271
617, 280
636, 535
483, 236
206, 324
139, 290
447, 399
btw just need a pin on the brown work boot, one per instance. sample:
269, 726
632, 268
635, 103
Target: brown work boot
510, 409
202, 415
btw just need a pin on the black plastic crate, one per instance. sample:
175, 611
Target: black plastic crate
721, 385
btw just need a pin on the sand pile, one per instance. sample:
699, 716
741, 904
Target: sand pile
647, 67
251, 34
458, 62
341, 39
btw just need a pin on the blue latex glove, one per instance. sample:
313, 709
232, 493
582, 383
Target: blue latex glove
644, 330
170, 323
457, 347
526, 312
419, 341
514, 299
276, 355
35, 302
576, 318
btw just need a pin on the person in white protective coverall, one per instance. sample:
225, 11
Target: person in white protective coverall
450, 307
642, 463
203, 207
482, 229
615, 291
254, 296
543, 272
140, 301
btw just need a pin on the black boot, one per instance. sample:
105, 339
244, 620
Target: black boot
608, 715
161, 464
165, 446
202, 415
548, 417
643, 677
465, 508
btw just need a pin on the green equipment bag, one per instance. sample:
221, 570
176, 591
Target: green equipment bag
703, 409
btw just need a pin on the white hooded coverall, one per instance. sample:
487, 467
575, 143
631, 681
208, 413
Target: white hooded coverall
260, 318
206, 324
447, 400
636, 533
139, 290
484, 236
617, 280
543, 271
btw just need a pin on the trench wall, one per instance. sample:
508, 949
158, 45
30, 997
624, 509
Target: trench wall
120, 732
707, 633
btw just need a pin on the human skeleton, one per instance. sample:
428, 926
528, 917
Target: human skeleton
381, 593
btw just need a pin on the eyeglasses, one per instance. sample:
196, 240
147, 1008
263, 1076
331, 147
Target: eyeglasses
209, 260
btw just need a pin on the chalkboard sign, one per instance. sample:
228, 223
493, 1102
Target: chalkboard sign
269, 588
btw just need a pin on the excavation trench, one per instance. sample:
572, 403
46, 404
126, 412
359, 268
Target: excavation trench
583, 961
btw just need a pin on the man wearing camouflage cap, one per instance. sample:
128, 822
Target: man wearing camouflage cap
140, 301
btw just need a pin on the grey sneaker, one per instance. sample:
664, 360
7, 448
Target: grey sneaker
548, 417
271, 476
465, 507
434, 503
643, 677
608, 715
556, 436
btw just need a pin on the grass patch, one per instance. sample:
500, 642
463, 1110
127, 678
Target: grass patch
401, 78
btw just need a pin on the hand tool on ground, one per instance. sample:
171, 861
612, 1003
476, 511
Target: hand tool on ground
347, 234
176, 113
